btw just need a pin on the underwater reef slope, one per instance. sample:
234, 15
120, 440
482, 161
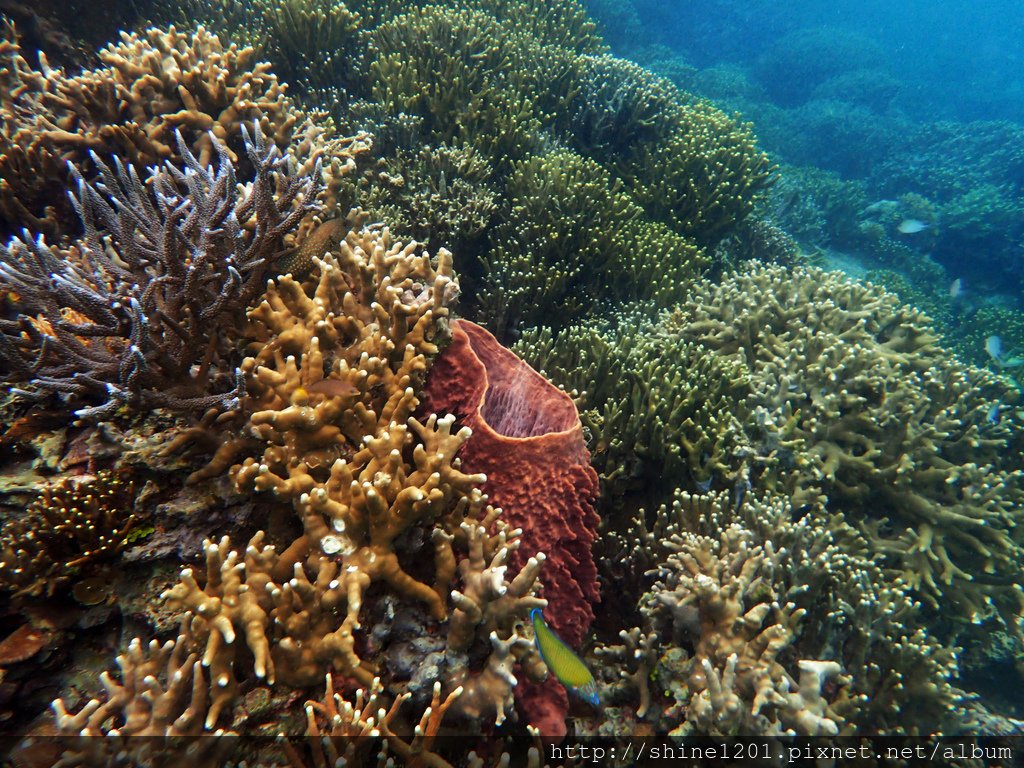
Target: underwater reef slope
260, 482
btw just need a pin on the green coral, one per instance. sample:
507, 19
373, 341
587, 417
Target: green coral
569, 236
858, 408
658, 410
704, 178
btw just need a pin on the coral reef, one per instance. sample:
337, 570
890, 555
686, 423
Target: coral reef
72, 526
149, 88
731, 607
527, 443
245, 428
654, 407
854, 404
567, 237
135, 312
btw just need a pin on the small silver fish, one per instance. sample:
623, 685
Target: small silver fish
912, 226
994, 347
956, 289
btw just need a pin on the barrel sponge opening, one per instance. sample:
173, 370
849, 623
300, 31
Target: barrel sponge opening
518, 401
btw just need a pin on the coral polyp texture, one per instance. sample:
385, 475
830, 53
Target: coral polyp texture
854, 405
133, 313
740, 634
71, 528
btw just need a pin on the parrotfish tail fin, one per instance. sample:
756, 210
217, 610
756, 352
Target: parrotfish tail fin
588, 692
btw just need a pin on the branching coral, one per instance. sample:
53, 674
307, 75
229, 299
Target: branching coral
162, 694
134, 313
860, 408
344, 733
151, 88
442, 196
461, 73
655, 407
704, 178
744, 586
70, 527
568, 236
618, 106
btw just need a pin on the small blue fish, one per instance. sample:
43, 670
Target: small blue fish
564, 664
994, 414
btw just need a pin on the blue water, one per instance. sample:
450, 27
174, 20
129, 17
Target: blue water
955, 59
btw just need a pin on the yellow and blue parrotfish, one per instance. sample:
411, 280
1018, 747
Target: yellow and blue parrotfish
563, 663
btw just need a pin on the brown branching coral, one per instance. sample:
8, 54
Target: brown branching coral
134, 313
73, 524
162, 694
151, 87
736, 683
345, 733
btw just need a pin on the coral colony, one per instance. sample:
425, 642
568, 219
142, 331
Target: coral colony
384, 373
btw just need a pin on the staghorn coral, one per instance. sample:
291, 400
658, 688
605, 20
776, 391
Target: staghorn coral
461, 73
858, 407
568, 236
655, 407
440, 195
704, 178
617, 106
135, 312
330, 396
70, 527
162, 694
741, 585
150, 88
344, 733
736, 684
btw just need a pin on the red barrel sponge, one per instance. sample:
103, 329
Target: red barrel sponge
528, 440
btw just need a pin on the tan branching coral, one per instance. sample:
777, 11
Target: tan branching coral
162, 694
856, 406
347, 733
753, 582
150, 87
488, 602
713, 592
74, 524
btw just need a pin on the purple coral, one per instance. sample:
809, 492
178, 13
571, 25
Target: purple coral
136, 311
